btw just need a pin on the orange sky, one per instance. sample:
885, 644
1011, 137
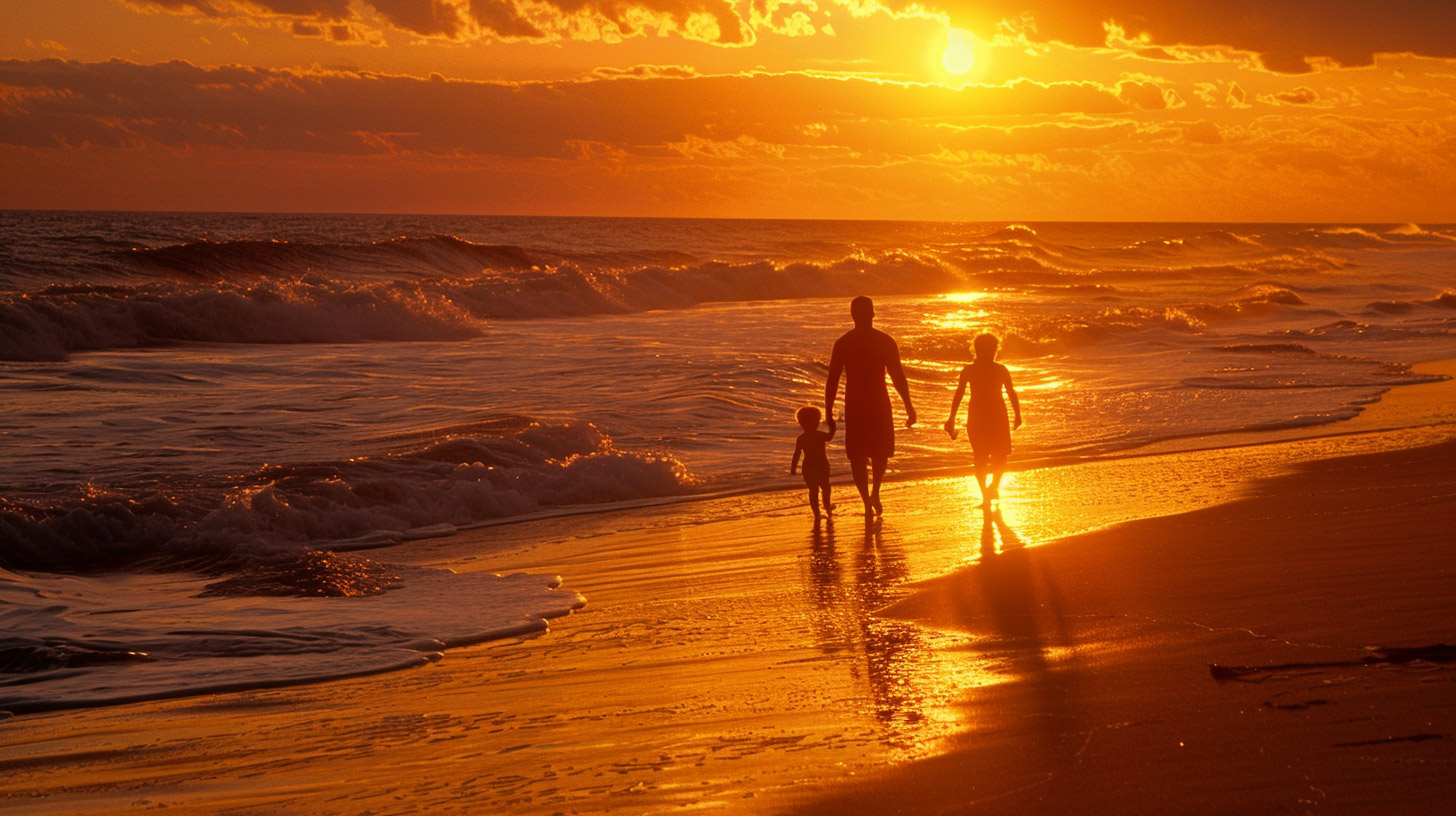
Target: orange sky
1292, 110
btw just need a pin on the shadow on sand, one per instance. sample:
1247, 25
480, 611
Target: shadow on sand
996, 632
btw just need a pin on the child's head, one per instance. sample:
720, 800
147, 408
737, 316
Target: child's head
808, 417
985, 346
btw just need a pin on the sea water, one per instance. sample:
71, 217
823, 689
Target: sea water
192, 399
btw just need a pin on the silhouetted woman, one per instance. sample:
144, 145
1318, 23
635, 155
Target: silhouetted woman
986, 424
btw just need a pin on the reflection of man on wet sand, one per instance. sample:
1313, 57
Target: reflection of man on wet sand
864, 355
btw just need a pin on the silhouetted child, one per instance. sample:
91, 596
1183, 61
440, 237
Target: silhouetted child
986, 416
810, 445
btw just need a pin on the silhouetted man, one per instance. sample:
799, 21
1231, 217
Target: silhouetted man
864, 355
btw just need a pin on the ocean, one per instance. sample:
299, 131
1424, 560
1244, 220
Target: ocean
193, 407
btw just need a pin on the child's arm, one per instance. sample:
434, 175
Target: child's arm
955, 404
798, 450
1011, 392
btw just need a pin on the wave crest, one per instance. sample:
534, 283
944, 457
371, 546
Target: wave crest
57, 320
279, 510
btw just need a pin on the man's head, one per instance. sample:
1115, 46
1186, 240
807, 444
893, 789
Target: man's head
862, 309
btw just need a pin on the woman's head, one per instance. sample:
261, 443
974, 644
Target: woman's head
808, 417
985, 346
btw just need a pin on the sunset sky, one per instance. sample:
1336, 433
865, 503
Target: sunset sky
1289, 110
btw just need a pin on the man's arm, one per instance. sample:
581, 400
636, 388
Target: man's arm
897, 376
831, 387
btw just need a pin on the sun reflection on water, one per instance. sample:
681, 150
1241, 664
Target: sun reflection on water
955, 319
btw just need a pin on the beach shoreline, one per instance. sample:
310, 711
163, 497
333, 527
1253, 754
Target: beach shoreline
732, 656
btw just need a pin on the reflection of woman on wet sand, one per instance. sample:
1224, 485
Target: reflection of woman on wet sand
986, 424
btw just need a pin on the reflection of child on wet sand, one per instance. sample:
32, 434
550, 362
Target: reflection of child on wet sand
810, 445
986, 424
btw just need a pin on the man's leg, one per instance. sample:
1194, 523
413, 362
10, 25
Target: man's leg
859, 468
878, 463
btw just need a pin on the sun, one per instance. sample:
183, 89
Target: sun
958, 56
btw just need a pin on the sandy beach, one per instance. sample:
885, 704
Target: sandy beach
1053, 658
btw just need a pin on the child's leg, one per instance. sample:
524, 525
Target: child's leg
814, 499
824, 488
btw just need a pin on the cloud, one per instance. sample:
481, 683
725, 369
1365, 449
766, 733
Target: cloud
1203, 132
661, 139
431, 18
70, 103
791, 18
707, 20
646, 72
1147, 95
1287, 34
502, 18
1302, 95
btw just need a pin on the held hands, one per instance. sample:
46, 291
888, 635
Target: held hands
909, 416
950, 427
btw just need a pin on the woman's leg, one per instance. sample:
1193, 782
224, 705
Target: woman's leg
998, 468
981, 462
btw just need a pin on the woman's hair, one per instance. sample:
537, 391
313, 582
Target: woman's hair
985, 346
808, 412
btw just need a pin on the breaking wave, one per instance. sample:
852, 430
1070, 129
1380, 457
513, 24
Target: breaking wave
1069, 332
280, 510
57, 320
446, 288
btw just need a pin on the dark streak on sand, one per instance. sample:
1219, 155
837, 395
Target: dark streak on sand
1437, 653
1389, 740
1304, 706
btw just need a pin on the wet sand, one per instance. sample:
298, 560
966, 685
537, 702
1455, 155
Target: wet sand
732, 657
1112, 704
